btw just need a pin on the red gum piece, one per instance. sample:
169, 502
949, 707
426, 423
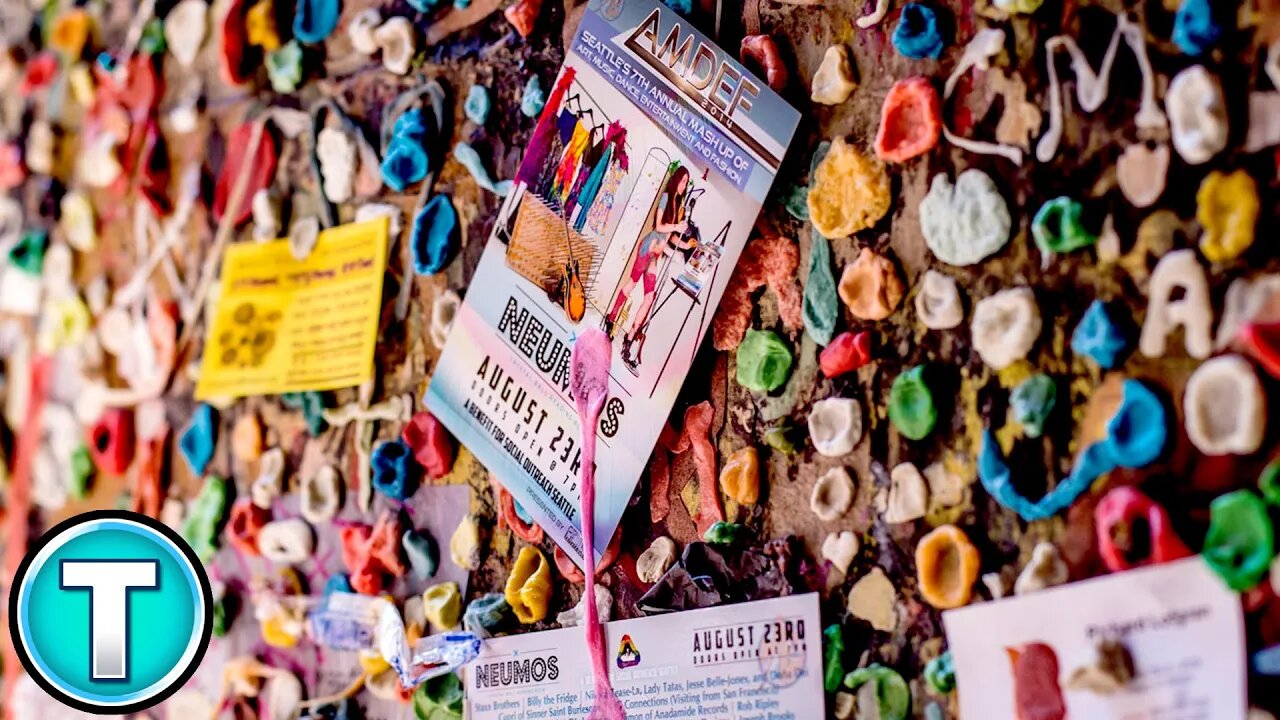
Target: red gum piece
12, 172
243, 526
762, 50
846, 353
574, 575
1037, 695
148, 489
433, 446
40, 73
528, 532
697, 426
261, 170
771, 261
910, 121
1121, 507
523, 15
111, 441
235, 45
1261, 341
372, 552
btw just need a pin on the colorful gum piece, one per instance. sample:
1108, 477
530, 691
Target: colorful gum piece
509, 511
940, 674
1037, 694
965, 222
1136, 436
422, 553
111, 441
315, 20
394, 473
821, 303
433, 446
442, 604
534, 98
1195, 28
834, 80
523, 15
261, 168
727, 533
769, 261
892, 695
372, 553
1031, 403
917, 35
404, 164
204, 515
847, 352
470, 159
1239, 544
243, 526
848, 192
947, 565
740, 477
833, 667
311, 403
1134, 531
763, 360
528, 588
434, 237
763, 51
284, 67
1269, 483
911, 407
476, 106
484, 614
28, 253
1227, 210
870, 286
910, 121
464, 544
1261, 341
1099, 337
198, 440
1058, 227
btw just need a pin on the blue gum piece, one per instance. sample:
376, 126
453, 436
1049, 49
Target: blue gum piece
1099, 337
1136, 436
522, 513
394, 470
1032, 403
338, 582
1195, 29
917, 35
477, 105
405, 164
470, 160
533, 99
434, 239
423, 553
315, 20
485, 613
199, 439
682, 7
410, 125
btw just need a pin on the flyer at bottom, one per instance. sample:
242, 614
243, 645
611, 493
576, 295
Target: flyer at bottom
752, 661
1182, 626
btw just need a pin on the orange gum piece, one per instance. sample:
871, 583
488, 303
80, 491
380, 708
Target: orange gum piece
947, 565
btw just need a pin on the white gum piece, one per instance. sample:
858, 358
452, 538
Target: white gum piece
1225, 407
873, 19
832, 495
656, 559
1005, 326
839, 549
1045, 570
835, 426
1177, 269
977, 55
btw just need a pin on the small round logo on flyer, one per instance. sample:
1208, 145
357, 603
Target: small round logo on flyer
610, 9
782, 652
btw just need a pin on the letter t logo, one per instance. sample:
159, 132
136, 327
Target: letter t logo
109, 583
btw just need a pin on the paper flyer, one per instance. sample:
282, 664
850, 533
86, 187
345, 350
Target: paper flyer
752, 661
1181, 624
288, 325
635, 197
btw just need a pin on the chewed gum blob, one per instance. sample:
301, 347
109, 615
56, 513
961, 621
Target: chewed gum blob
848, 192
910, 120
947, 566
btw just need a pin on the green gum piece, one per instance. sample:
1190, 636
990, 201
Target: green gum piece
1059, 227
152, 40
727, 533
833, 658
764, 361
911, 408
200, 529
438, 698
28, 254
81, 472
311, 404
1269, 483
779, 438
1239, 544
892, 693
821, 302
940, 674
1032, 402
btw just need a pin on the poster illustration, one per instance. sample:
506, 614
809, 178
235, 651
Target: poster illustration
635, 197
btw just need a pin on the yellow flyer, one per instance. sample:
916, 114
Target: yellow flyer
287, 325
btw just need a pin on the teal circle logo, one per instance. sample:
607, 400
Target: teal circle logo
111, 612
